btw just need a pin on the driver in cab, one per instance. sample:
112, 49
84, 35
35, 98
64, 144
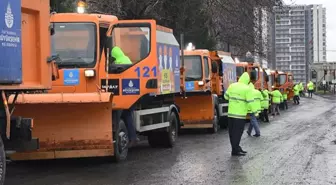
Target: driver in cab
120, 58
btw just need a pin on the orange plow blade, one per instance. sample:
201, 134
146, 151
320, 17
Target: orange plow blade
68, 125
196, 111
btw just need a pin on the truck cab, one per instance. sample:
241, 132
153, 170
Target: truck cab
257, 74
206, 74
98, 96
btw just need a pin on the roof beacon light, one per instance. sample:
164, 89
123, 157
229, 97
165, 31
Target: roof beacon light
81, 7
190, 47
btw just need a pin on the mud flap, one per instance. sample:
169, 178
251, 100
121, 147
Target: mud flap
79, 125
196, 111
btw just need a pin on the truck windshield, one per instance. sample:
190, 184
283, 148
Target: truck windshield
193, 67
282, 79
75, 43
240, 70
254, 74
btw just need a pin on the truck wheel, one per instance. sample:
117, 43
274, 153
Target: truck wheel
2, 163
215, 121
121, 144
170, 136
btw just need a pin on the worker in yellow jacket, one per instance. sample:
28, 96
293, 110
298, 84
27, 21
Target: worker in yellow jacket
276, 100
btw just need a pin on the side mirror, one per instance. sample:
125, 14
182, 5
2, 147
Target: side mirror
214, 68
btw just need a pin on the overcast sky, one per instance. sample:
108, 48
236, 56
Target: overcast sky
331, 23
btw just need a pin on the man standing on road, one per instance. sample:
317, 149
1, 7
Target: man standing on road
254, 111
296, 90
265, 105
285, 97
276, 100
239, 96
301, 88
310, 87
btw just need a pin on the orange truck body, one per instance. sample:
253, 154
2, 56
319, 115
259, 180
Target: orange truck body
261, 81
35, 42
82, 114
26, 66
206, 78
282, 81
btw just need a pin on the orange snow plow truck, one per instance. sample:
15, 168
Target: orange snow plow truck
83, 115
258, 75
26, 66
207, 76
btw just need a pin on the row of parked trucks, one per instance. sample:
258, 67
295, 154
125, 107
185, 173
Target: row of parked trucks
72, 104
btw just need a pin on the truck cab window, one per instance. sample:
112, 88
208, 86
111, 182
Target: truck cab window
134, 41
102, 38
282, 79
193, 67
254, 73
206, 67
240, 70
76, 44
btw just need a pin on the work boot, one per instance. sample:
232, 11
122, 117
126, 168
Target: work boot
256, 135
237, 154
242, 151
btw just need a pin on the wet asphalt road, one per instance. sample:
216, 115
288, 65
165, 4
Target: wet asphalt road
295, 148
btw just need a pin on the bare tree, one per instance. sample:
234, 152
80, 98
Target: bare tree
212, 24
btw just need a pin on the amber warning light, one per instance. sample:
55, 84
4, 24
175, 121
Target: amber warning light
81, 6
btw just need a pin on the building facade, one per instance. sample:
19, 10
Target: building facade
297, 39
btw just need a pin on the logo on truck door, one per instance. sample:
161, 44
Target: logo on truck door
71, 77
113, 86
9, 17
130, 86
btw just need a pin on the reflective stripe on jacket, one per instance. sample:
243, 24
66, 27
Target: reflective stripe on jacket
240, 97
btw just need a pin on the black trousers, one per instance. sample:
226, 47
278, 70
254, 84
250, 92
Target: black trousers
310, 93
296, 99
236, 130
265, 115
285, 104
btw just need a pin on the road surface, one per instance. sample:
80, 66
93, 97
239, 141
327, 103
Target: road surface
295, 148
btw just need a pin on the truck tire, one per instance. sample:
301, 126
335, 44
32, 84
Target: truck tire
2, 163
121, 142
165, 138
170, 136
215, 124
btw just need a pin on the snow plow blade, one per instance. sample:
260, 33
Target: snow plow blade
70, 125
196, 111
